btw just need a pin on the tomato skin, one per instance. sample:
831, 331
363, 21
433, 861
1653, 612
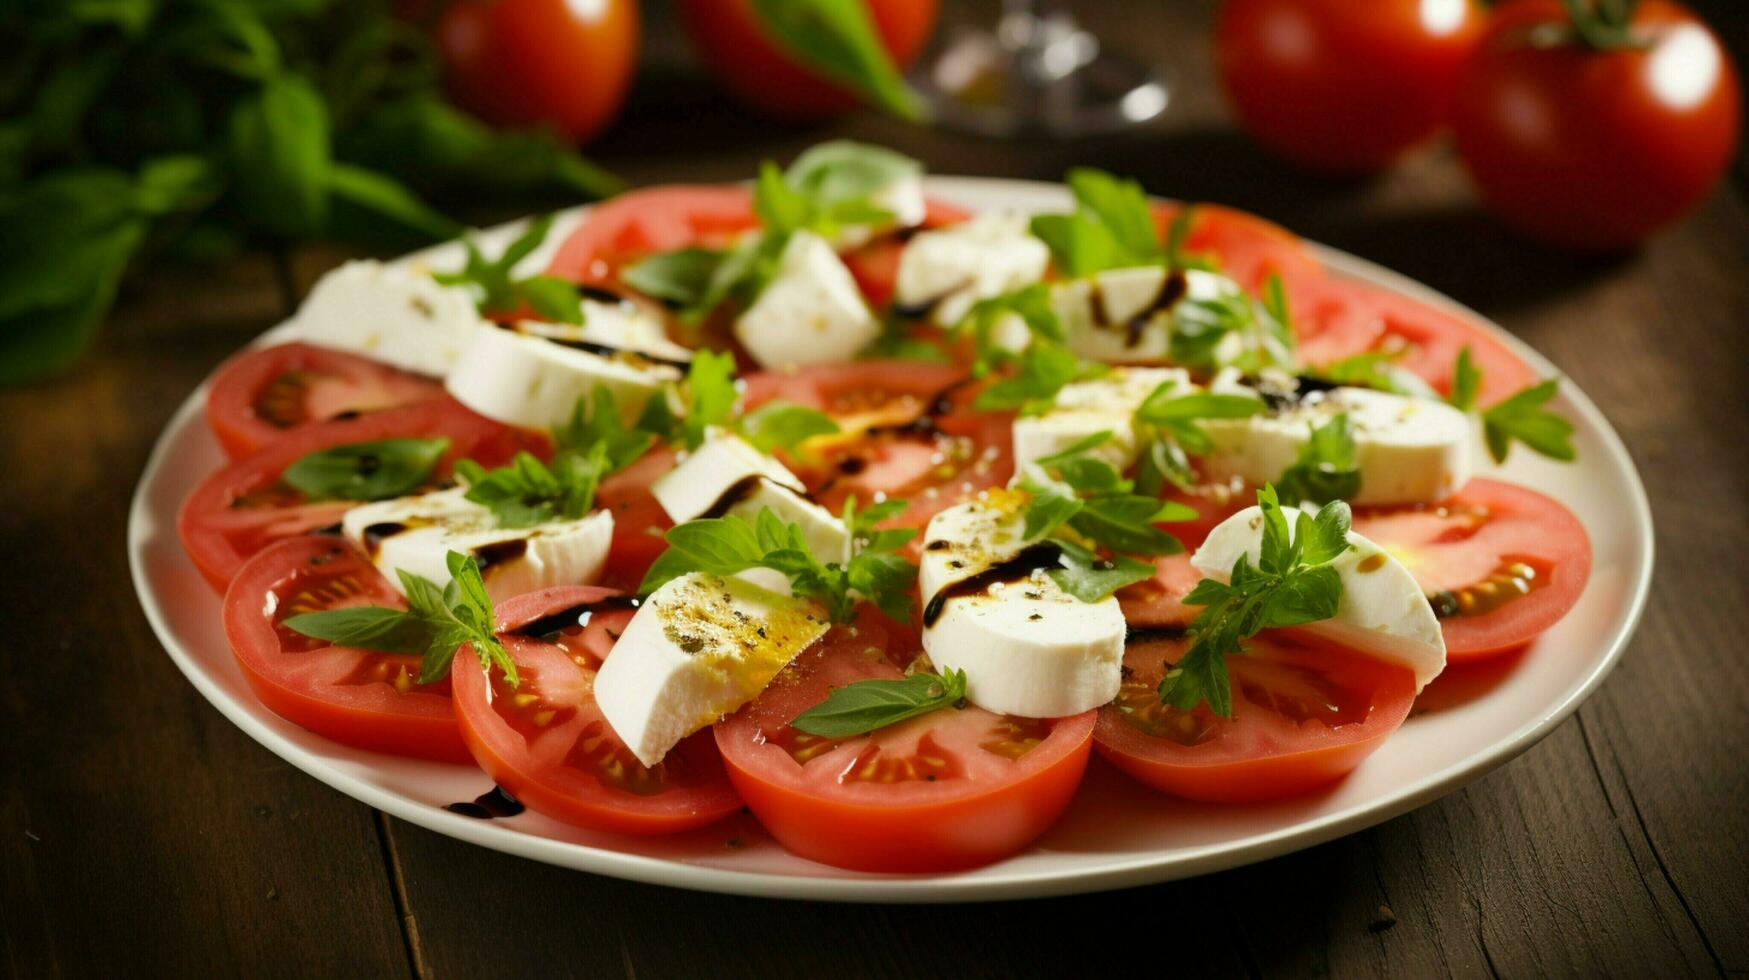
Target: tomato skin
1341, 85
876, 265
1259, 754
549, 62
234, 397
757, 72
657, 219
910, 825
371, 716
1250, 249
1523, 525
1579, 147
553, 786
219, 537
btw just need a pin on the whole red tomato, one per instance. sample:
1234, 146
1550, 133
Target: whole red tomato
727, 35
1596, 147
562, 63
1344, 85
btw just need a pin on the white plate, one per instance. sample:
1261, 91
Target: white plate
1116, 833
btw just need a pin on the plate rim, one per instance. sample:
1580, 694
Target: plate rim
940, 888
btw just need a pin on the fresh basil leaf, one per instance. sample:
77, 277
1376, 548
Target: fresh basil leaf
866, 706
1044, 369
601, 426
1199, 676
551, 298
281, 157
711, 394
1122, 207
844, 171
1091, 579
1125, 523
365, 627
383, 195
1080, 245
374, 470
1522, 418
526, 493
783, 425
682, 277
837, 39
1326, 469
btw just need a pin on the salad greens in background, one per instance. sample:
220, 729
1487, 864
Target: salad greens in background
132, 128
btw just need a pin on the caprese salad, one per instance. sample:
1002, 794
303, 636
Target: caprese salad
822, 498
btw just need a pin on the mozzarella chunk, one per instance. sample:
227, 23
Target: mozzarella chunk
810, 313
698, 648
726, 475
903, 199
947, 271
1085, 408
1407, 450
416, 535
531, 381
393, 314
1124, 316
1028, 648
625, 324
1383, 611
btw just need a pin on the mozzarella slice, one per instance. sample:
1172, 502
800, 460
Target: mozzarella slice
726, 475
393, 314
1124, 316
944, 272
416, 534
532, 381
698, 648
624, 324
1085, 408
1383, 611
810, 313
1408, 450
1028, 648
903, 199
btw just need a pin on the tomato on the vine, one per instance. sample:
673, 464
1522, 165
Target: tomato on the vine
561, 64
1342, 85
1596, 138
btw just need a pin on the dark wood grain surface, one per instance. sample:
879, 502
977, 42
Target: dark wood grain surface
140, 833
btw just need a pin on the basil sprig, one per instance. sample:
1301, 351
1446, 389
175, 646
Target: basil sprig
866, 706
498, 291
1519, 417
374, 470
438, 620
1291, 584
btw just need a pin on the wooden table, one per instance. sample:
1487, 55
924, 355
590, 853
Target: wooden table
141, 833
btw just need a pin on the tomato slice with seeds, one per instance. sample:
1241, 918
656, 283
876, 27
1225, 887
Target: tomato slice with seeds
1249, 249
1425, 340
956, 788
659, 219
357, 697
259, 395
909, 434
1500, 563
546, 741
243, 507
1304, 715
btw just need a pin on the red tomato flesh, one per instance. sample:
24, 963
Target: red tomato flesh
1304, 715
546, 741
956, 788
1510, 561
260, 395
357, 697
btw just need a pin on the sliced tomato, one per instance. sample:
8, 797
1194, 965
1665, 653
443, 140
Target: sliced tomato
660, 219
876, 265
909, 434
1249, 248
358, 697
955, 788
259, 395
244, 507
1304, 715
1502, 563
1425, 340
638, 519
546, 741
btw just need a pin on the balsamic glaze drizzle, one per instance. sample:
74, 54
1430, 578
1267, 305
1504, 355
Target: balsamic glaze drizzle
495, 802
1045, 554
577, 615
